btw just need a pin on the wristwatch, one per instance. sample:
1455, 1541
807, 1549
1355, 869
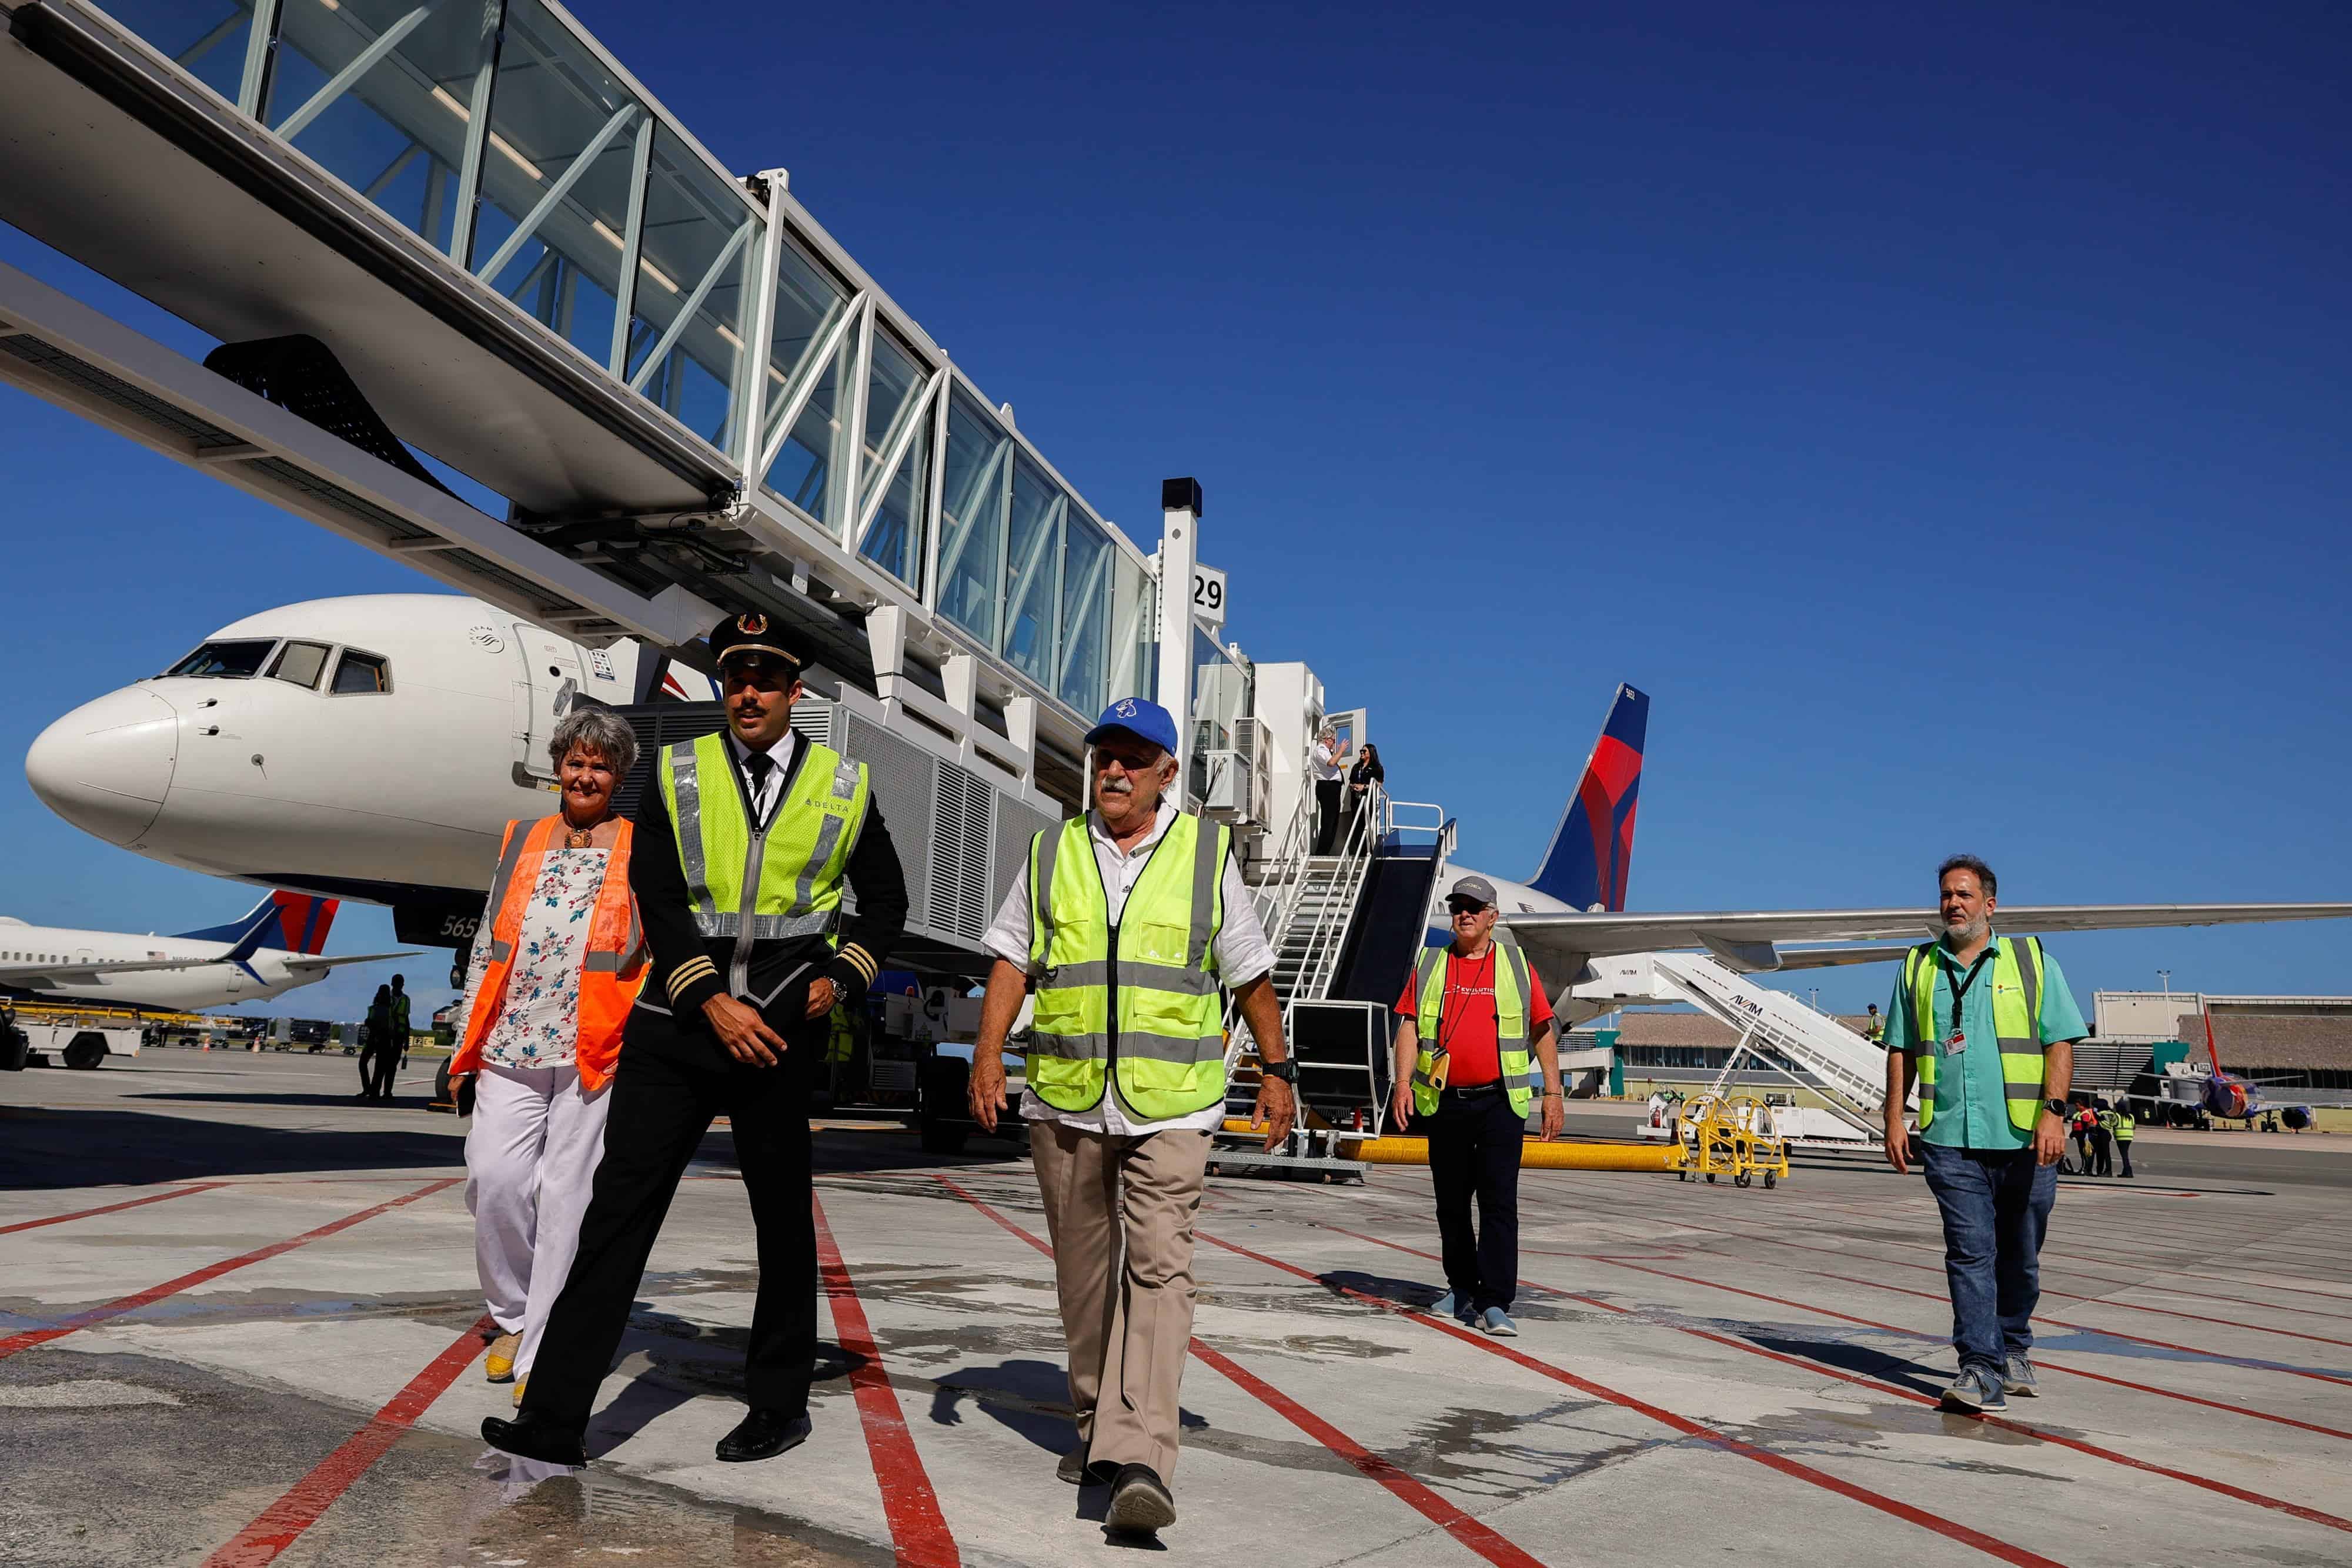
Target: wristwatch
2058, 1108
1285, 1070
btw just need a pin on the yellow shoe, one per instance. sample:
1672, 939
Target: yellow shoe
519, 1382
499, 1366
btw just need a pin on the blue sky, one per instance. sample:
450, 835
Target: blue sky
1942, 413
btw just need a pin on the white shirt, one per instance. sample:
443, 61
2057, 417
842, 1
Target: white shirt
1326, 763
1241, 952
784, 752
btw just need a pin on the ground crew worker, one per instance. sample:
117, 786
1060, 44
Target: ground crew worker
2126, 1124
1128, 922
2103, 1140
1468, 1015
1874, 1028
1989, 1027
744, 844
375, 1070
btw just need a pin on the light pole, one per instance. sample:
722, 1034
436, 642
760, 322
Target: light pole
1817, 998
2166, 975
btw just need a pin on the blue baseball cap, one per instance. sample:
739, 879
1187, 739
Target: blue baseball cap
1143, 720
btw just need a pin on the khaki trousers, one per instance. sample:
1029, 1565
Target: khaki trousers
1120, 1211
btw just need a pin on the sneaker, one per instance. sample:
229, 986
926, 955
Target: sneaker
1139, 1501
2017, 1378
1497, 1321
1976, 1390
498, 1366
1449, 1306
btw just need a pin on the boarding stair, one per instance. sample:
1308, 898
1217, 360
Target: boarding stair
1343, 927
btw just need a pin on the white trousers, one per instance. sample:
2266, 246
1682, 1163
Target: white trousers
530, 1160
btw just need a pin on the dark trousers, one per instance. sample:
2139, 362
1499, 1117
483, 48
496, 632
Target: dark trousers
1326, 813
670, 1081
376, 1069
2102, 1159
1474, 1151
2123, 1147
1995, 1206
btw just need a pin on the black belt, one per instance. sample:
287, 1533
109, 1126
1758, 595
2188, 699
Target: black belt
1472, 1091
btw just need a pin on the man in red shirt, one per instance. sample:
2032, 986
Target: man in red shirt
1475, 1028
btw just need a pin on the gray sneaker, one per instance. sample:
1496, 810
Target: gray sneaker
1450, 1306
2017, 1378
1977, 1389
1497, 1321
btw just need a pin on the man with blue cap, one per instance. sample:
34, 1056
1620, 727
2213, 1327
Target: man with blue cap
1128, 923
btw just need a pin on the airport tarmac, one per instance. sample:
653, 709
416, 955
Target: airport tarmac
238, 1324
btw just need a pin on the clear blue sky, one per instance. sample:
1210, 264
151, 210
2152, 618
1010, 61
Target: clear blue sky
1942, 414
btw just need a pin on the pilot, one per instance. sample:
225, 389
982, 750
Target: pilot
746, 842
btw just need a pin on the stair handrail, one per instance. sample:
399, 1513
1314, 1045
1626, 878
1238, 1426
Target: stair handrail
1366, 829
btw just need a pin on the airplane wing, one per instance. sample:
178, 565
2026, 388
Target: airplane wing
1749, 939
64, 974
302, 961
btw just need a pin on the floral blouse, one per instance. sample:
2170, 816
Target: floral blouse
539, 1022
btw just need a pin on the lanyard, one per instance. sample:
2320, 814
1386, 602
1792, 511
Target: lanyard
1959, 988
1452, 989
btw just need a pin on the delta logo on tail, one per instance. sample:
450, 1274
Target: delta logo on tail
289, 921
1591, 851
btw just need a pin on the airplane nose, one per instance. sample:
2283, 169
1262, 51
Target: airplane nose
105, 767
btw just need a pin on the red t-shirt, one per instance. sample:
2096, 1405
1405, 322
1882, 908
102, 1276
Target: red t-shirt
1466, 1019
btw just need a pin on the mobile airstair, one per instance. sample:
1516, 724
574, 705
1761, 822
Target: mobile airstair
1777, 1034
1344, 928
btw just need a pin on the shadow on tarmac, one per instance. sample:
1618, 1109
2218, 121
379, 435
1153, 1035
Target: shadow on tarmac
46, 1147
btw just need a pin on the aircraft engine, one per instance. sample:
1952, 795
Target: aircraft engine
2226, 1097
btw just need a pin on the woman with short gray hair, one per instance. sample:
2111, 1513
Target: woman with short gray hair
558, 962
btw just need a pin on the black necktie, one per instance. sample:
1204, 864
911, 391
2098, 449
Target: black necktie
759, 764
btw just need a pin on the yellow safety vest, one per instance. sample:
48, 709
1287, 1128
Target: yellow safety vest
1143, 992
1511, 993
2017, 971
2125, 1122
784, 880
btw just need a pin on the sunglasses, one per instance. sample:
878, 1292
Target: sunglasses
1466, 906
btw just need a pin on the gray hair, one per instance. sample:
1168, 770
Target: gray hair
600, 730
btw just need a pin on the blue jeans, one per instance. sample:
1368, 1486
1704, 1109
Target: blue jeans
1995, 1205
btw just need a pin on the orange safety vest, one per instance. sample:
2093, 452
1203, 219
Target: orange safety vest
614, 969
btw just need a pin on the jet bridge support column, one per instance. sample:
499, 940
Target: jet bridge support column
1180, 548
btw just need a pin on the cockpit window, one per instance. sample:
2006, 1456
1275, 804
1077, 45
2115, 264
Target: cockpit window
301, 665
358, 672
237, 660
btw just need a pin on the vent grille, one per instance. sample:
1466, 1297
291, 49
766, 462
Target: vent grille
959, 903
902, 784
1016, 825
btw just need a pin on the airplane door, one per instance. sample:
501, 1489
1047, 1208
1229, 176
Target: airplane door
545, 687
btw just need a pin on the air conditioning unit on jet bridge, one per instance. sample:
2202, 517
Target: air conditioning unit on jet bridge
1240, 781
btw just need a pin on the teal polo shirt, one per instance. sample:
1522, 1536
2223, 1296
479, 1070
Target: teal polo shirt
1971, 1097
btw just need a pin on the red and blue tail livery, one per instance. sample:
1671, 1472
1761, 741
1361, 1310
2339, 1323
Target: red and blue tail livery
1592, 849
289, 921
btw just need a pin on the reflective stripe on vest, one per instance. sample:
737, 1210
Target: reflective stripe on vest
1155, 1005
2016, 980
613, 959
1512, 1033
781, 881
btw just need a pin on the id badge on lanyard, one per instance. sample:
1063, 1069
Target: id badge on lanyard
1957, 1040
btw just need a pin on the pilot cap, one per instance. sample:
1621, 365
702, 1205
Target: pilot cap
753, 632
1477, 887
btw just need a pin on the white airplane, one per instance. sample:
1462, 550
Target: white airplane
1571, 910
370, 747
374, 748
273, 949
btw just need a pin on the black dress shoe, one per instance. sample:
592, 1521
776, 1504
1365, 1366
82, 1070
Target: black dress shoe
1139, 1501
535, 1438
762, 1435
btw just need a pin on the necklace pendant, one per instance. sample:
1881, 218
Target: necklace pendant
577, 839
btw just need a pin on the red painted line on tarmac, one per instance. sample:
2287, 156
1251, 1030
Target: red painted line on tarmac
1951, 1529
2046, 1364
1482, 1539
110, 1208
1809, 1364
917, 1528
153, 1293
280, 1523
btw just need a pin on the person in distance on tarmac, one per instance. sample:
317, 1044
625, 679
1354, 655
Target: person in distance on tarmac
746, 842
557, 964
1129, 921
1989, 1026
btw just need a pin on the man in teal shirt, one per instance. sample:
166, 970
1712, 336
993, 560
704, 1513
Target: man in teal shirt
1992, 1129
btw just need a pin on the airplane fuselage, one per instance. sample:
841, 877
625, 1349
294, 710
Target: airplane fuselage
388, 774
200, 985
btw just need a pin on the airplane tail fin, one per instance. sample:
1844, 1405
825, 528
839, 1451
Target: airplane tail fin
1592, 849
293, 921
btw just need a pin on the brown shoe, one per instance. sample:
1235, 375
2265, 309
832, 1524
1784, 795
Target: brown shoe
1139, 1501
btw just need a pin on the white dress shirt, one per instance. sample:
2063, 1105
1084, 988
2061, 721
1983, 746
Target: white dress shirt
771, 789
1241, 952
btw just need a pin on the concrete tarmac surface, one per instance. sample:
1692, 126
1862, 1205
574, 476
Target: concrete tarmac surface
240, 1324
